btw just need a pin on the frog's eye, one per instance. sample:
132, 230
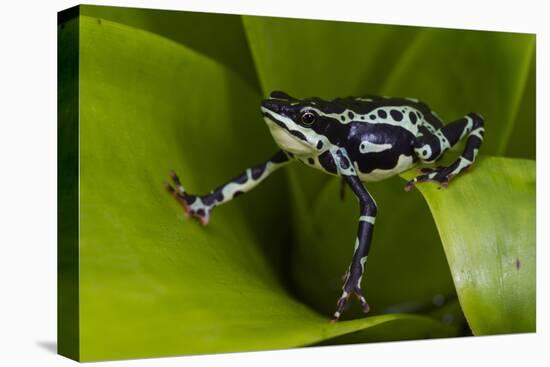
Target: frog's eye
308, 118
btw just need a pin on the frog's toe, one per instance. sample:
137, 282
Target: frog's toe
340, 306
187, 201
440, 175
203, 216
343, 301
443, 184
411, 183
180, 197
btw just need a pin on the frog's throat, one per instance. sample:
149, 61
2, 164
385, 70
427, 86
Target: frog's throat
288, 142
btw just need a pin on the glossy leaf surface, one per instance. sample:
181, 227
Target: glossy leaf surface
486, 220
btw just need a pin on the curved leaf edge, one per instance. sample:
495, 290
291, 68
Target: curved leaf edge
408, 175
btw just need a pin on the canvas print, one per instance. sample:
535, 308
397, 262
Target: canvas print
234, 183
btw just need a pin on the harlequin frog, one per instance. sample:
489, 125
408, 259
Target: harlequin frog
360, 139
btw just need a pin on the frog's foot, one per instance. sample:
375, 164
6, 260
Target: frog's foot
350, 288
440, 174
192, 204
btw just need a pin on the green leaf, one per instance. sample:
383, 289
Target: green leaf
325, 58
410, 329
460, 71
486, 220
151, 283
525, 126
217, 36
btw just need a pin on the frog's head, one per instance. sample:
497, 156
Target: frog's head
294, 124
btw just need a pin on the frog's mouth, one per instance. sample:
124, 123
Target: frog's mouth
288, 139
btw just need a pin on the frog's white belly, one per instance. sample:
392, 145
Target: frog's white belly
404, 163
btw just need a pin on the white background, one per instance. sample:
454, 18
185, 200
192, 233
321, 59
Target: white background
28, 182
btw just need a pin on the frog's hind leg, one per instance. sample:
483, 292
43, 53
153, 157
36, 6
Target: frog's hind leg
354, 274
430, 148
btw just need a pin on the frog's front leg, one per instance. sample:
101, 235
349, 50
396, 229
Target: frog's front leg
200, 206
354, 274
430, 148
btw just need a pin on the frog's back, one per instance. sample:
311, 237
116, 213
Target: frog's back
382, 133
369, 102
380, 150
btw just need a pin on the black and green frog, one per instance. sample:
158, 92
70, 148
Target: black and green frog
361, 139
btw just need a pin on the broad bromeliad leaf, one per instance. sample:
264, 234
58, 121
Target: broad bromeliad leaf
152, 284
486, 220
522, 142
217, 36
